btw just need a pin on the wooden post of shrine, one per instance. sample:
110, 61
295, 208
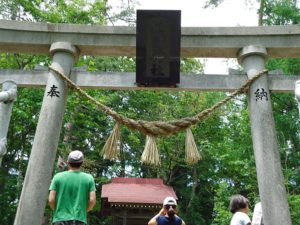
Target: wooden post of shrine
268, 165
40, 167
7, 97
125, 218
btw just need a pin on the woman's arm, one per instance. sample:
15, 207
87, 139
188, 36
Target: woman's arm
153, 220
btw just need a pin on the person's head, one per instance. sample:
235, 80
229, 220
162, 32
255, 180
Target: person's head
170, 205
75, 159
238, 203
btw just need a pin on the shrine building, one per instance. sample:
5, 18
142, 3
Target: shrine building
133, 201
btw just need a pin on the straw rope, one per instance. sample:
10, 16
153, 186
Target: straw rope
158, 128
111, 149
150, 154
192, 154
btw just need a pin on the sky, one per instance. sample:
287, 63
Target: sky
230, 13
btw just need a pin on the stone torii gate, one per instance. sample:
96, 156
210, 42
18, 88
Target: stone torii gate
65, 42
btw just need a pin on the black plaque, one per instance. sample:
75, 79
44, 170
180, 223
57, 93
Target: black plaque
158, 34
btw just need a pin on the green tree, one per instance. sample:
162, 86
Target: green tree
286, 118
223, 138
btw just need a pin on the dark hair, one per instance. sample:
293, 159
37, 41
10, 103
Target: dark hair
75, 165
238, 202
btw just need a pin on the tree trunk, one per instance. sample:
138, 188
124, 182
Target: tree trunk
194, 187
261, 12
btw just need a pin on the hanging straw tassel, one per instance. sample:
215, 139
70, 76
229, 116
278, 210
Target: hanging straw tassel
111, 149
192, 155
150, 155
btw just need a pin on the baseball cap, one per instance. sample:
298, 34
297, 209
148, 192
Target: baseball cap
169, 201
75, 157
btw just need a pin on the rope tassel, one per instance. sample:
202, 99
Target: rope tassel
150, 155
111, 149
192, 155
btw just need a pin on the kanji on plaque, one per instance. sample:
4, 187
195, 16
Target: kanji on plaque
53, 92
261, 94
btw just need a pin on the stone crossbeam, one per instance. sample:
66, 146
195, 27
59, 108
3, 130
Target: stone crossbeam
118, 80
217, 42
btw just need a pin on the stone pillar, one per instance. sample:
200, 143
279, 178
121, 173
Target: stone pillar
40, 167
7, 97
268, 166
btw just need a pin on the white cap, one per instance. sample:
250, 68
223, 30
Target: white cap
169, 201
75, 157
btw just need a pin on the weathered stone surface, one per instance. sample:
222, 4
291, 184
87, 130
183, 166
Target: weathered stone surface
223, 42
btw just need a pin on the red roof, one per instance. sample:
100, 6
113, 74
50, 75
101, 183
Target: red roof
136, 190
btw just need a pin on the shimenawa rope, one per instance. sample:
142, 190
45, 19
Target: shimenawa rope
111, 149
158, 128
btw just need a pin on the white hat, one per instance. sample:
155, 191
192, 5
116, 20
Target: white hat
169, 201
75, 157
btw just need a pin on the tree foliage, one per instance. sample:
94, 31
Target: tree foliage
223, 138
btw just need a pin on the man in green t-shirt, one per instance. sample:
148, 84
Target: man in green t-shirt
72, 193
